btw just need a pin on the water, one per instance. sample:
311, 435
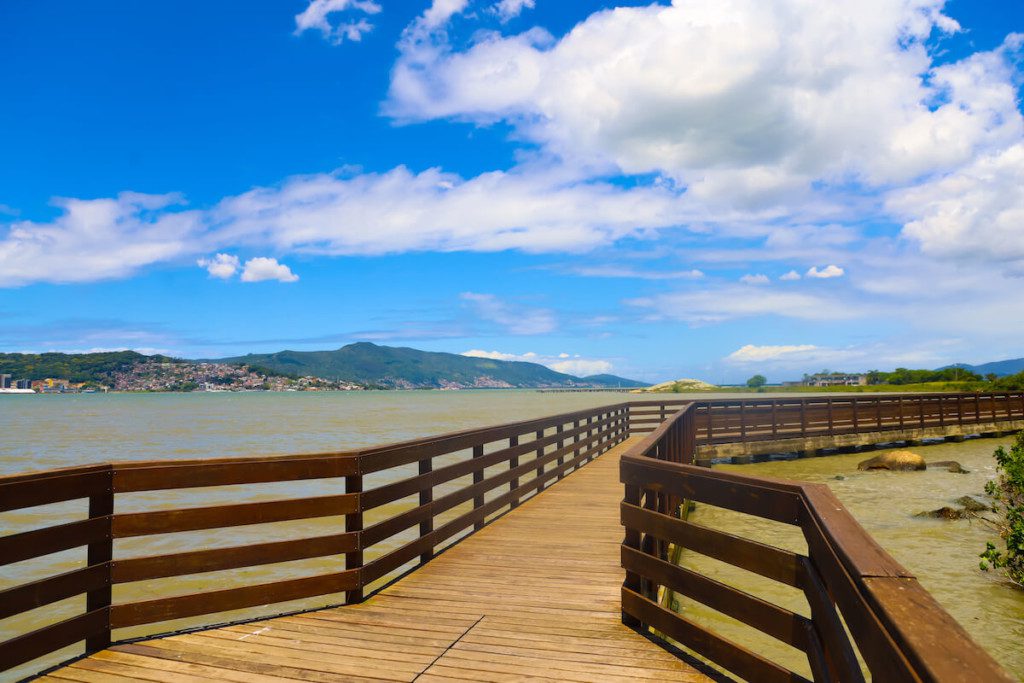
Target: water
42, 432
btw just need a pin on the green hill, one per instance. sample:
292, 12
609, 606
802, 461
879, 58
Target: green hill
367, 363
77, 367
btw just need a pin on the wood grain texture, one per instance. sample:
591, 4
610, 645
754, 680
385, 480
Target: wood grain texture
531, 596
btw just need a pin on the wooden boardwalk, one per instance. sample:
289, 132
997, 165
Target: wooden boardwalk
513, 602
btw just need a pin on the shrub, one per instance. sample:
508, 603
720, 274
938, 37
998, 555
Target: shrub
1007, 491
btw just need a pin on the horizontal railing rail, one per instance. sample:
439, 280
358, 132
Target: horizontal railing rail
897, 628
749, 420
384, 510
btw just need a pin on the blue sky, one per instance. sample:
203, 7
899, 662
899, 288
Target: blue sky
701, 188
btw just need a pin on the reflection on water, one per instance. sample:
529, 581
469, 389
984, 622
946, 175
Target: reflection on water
943, 554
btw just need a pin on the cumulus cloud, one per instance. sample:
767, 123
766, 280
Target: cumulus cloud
775, 94
790, 276
975, 213
528, 357
510, 9
758, 354
825, 273
95, 239
261, 268
752, 279
317, 16
221, 266
514, 318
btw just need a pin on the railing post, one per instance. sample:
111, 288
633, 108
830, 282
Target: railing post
540, 454
920, 407
102, 552
478, 476
426, 498
632, 540
775, 418
803, 418
901, 411
743, 421
558, 445
960, 409
831, 420
977, 407
354, 523
942, 411
855, 405
513, 463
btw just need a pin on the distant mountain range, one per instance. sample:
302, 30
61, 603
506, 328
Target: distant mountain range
407, 368
999, 367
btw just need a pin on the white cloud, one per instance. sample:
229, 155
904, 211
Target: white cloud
261, 268
95, 239
758, 279
510, 9
714, 305
825, 273
528, 357
515, 319
221, 266
976, 213
758, 354
790, 276
610, 271
746, 102
582, 367
563, 362
317, 16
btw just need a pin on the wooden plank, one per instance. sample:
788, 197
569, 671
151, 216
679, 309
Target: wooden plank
160, 475
779, 623
51, 589
44, 488
211, 602
765, 560
39, 542
25, 648
198, 561
215, 517
722, 651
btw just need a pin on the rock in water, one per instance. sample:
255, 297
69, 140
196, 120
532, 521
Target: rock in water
944, 513
897, 461
971, 505
951, 466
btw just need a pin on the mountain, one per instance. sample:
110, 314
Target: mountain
1001, 368
402, 367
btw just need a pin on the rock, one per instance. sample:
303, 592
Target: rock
944, 513
897, 461
972, 505
951, 466
839, 477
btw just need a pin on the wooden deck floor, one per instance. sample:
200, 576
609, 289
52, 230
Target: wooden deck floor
513, 602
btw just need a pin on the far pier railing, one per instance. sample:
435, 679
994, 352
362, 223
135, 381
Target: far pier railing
894, 625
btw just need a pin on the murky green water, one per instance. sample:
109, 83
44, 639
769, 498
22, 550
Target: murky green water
41, 432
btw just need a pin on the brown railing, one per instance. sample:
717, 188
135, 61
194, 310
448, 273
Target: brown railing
895, 626
383, 511
732, 421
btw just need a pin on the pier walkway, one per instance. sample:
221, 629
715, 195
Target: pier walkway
532, 596
545, 549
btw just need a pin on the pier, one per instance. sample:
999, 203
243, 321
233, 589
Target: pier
536, 549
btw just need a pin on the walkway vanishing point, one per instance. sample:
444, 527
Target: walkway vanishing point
457, 563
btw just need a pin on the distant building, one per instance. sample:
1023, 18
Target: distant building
5, 381
835, 379
23, 384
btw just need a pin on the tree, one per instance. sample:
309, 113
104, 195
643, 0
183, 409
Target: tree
1007, 490
757, 381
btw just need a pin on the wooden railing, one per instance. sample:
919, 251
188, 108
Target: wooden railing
746, 420
895, 626
383, 511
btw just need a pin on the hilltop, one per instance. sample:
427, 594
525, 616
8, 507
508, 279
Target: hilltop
407, 368
1001, 368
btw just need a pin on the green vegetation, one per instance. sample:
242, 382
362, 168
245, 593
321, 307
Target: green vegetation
757, 381
903, 376
367, 363
1007, 490
78, 367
